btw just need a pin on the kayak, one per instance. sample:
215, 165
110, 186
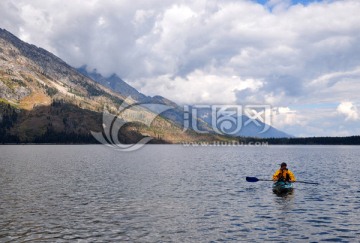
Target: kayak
283, 187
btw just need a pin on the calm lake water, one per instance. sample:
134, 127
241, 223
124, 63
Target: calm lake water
173, 193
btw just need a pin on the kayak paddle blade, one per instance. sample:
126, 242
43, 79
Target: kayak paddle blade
252, 179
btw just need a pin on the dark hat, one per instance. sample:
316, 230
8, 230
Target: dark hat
283, 164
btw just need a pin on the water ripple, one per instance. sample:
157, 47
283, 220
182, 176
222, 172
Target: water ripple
176, 194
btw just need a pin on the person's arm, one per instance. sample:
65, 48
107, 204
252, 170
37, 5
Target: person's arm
276, 176
292, 176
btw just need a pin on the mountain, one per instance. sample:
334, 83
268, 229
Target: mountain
204, 118
249, 128
115, 83
118, 85
43, 99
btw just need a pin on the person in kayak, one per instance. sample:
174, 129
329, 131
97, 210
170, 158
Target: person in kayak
284, 174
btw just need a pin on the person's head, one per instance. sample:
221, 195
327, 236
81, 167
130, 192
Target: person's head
283, 166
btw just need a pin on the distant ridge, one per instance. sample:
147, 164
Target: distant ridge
204, 118
350, 140
115, 83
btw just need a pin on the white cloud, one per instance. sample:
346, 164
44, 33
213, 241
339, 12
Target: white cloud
332, 78
188, 51
349, 110
318, 121
201, 87
285, 116
285, 110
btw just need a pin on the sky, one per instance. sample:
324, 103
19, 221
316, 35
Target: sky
300, 57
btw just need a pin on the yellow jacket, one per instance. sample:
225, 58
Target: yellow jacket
285, 174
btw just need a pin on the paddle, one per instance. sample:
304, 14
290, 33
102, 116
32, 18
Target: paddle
254, 179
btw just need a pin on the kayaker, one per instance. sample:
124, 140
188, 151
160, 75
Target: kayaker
284, 174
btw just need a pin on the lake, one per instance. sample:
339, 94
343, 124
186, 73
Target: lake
175, 193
